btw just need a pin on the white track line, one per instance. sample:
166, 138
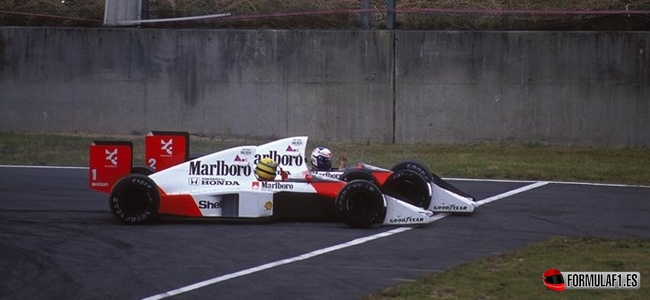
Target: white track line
278, 263
40, 167
510, 193
554, 182
309, 255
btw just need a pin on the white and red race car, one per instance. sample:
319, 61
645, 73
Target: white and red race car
223, 185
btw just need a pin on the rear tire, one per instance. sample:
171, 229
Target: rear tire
135, 199
409, 186
360, 204
144, 170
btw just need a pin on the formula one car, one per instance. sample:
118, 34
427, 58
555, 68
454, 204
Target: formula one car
223, 185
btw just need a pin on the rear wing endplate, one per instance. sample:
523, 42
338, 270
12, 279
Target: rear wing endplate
108, 162
164, 149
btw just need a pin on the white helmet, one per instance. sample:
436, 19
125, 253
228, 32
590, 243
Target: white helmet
321, 159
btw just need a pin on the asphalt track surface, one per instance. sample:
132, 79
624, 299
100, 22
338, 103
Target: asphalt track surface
58, 240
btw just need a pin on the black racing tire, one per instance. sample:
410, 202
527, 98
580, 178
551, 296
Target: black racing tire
360, 204
354, 174
144, 170
409, 186
135, 199
414, 166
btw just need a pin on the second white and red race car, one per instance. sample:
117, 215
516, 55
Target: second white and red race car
223, 185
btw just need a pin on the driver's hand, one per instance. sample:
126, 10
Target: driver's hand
343, 162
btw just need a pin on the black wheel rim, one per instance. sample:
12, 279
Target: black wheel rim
360, 206
134, 202
409, 190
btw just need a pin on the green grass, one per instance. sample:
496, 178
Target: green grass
518, 274
505, 161
514, 275
517, 161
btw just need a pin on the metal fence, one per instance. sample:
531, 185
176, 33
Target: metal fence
302, 14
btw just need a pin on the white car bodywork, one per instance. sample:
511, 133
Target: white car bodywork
223, 184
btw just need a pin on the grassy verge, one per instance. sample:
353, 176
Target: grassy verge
509, 161
515, 275
518, 274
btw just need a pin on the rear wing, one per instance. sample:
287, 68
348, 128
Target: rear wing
111, 160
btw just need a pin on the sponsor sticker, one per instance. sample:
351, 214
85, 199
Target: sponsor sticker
205, 204
246, 151
282, 160
406, 220
211, 181
273, 185
220, 168
450, 207
166, 147
111, 157
333, 175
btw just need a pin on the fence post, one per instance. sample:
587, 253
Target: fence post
390, 15
144, 15
365, 15
116, 11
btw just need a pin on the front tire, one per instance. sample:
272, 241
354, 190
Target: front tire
360, 204
409, 186
135, 199
416, 167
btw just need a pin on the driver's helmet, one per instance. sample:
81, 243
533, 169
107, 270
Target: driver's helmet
266, 169
321, 159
